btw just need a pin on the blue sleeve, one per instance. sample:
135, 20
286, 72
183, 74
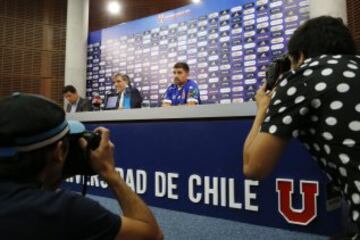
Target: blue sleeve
193, 93
167, 95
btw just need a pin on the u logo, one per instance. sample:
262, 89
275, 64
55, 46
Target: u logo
309, 191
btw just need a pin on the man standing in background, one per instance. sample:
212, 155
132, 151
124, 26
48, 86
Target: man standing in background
75, 102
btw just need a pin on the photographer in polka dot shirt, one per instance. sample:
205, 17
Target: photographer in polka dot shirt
318, 102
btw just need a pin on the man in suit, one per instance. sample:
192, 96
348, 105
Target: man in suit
75, 102
126, 91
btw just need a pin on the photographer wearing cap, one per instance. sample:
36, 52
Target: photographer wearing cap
33, 152
317, 102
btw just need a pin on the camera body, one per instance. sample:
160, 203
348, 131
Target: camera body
78, 159
279, 66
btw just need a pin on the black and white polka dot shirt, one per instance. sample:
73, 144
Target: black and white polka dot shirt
319, 104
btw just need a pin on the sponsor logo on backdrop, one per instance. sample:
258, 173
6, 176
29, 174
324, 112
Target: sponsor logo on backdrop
242, 30
164, 17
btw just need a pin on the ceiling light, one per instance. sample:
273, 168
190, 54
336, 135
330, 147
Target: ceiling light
196, 1
114, 7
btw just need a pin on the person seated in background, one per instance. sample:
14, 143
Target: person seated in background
34, 145
318, 102
183, 91
137, 98
75, 102
129, 97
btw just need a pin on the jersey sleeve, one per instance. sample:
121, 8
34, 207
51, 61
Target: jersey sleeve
193, 94
167, 96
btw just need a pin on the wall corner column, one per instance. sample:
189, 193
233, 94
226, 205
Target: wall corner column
334, 8
76, 44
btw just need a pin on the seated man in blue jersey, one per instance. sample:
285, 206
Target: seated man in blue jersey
183, 91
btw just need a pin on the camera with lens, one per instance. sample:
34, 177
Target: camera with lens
78, 159
279, 66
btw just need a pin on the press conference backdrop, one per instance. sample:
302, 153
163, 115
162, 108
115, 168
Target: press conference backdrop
195, 166
227, 43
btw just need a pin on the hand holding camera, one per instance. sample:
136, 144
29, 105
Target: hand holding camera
90, 153
279, 66
263, 97
101, 157
78, 158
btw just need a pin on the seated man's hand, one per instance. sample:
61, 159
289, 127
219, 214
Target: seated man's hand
166, 104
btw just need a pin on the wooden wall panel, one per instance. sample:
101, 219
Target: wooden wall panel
32, 47
353, 10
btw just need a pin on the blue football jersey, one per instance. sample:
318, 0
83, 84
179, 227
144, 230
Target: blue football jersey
187, 93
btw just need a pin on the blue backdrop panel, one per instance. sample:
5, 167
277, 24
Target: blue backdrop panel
211, 150
227, 43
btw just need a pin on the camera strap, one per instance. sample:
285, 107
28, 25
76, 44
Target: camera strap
85, 180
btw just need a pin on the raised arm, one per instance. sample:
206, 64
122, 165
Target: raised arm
138, 221
261, 150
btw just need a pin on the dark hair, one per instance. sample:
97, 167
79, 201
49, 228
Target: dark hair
182, 65
69, 88
321, 35
26, 166
116, 75
126, 79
